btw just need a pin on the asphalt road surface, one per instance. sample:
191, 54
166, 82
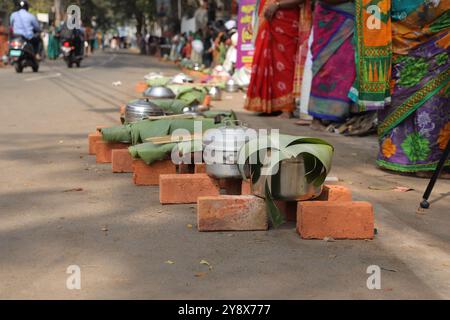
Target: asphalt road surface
128, 246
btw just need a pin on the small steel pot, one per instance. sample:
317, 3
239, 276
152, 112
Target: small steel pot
138, 110
182, 78
159, 92
231, 86
215, 93
197, 67
223, 147
289, 183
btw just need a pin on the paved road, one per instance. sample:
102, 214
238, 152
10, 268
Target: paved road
121, 237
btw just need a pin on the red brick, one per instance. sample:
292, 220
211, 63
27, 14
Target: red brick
335, 219
141, 87
92, 141
186, 188
288, 209
103, 150
200, 168
246, 188
122, 110
232, 187
122, 161
335, 193
231, 213
148, 175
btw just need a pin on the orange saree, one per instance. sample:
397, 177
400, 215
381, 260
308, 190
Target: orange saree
274, 62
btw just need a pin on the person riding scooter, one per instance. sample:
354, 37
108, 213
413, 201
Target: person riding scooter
26, 25
72, 44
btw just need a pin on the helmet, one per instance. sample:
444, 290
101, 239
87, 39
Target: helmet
23, 4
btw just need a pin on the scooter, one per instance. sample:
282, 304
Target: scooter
21, 55
69, 52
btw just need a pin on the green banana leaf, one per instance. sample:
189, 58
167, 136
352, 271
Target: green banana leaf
157, 82
150, 152
317, 154
138, 132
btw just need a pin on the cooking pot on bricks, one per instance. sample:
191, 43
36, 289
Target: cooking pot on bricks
141, 109
231, 86
289, 183
221, 149
215, 93
181, 78
159, 92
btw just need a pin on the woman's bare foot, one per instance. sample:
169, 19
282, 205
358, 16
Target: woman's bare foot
286, 115
317, 125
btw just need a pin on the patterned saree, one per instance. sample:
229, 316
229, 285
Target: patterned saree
274, 62
415, 128
333, 61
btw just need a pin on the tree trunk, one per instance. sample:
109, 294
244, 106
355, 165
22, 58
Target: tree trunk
140, 21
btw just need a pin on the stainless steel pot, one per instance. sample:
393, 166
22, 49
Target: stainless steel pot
215, 93
197, 67
231, 86
289, 183
221, 149
181, 78
194, 110
159, 92
141, 109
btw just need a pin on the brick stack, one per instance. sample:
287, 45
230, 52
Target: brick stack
228, 205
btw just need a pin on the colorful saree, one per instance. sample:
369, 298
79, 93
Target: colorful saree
273, 71
415, 128
333, 61
371, 90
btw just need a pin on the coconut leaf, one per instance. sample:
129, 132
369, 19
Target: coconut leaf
272, 210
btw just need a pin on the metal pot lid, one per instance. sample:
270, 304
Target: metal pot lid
159, 92
144, 105
230, 137
141, 103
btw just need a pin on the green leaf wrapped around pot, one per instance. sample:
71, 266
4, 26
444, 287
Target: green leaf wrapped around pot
316, 155
188, 93
159, 81
137, 132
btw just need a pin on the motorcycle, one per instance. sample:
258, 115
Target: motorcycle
69, 51
21, 55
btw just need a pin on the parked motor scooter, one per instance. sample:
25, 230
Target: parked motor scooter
21, 54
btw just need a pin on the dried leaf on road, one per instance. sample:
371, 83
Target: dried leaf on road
206, 263
380, 187
200, 274
387, 269
74, 190
169, 262
403, 189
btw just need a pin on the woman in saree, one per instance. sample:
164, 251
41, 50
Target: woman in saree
333, 68
414, 123
53, 43
271, 86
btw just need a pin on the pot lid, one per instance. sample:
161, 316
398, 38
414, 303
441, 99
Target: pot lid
159, 92
144, 105
230, 137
